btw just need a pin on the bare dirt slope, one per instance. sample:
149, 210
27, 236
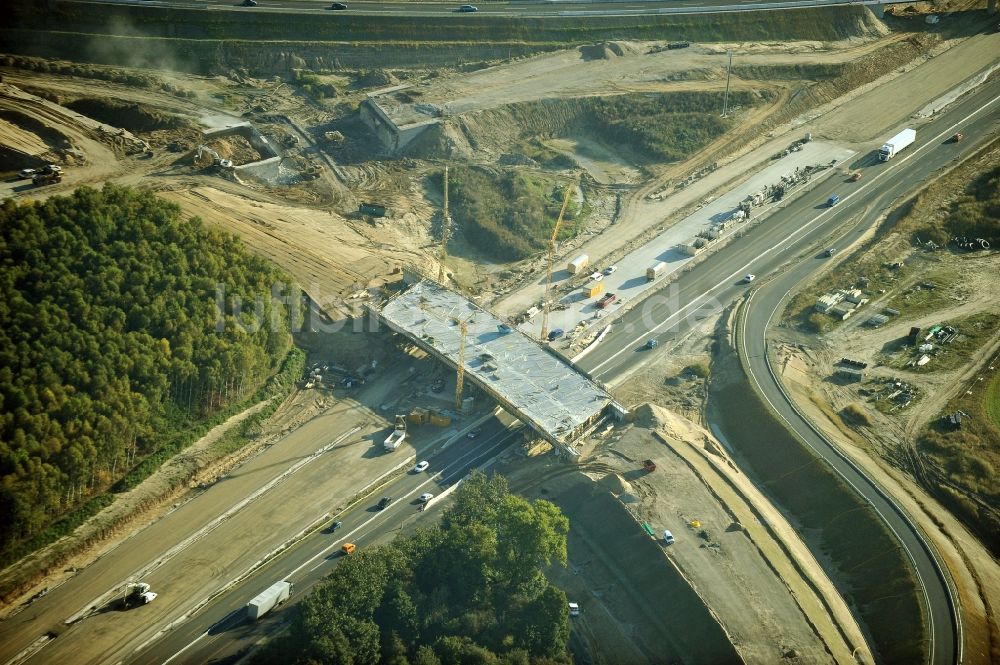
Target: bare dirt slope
756, 576
328, 255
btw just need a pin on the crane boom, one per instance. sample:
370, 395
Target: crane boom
445, 228
548, 274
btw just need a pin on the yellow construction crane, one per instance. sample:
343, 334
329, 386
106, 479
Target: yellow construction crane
548, 274
445, 228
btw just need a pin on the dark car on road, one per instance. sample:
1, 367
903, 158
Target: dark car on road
383, 502
338, 5
468, 8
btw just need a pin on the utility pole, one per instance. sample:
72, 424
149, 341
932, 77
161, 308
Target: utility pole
729, 73
445, 228
460, 377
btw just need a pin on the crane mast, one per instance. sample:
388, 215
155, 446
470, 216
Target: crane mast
548, 274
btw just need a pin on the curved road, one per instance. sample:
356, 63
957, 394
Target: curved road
789, 245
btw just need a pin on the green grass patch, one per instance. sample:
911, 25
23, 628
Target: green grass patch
963, 462
930, 292
507, 215
975, 214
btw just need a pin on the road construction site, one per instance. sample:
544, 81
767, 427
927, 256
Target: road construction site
305, 212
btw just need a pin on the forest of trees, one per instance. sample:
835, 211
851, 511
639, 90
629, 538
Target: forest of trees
110, 342
470, 591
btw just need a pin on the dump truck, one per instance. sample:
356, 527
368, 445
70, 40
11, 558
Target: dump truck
578, 264
655, 271
897, 143
398, 434
606, 300
268, 599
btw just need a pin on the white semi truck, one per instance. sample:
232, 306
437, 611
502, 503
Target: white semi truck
268, 599
892, 147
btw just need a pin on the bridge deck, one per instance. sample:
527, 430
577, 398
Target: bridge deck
542, 390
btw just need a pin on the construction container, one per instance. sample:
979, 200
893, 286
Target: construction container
578, 264
439, 419
593, 289
417, 416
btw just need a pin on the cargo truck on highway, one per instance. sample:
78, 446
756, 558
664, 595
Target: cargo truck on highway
655, 271
268, 599
398, 434
894, 145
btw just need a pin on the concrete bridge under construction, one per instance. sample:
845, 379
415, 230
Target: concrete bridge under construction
542, 390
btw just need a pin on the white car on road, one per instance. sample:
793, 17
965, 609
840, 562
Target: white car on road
421, 466
596, 276
749, 278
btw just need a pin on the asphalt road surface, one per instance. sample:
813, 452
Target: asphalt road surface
798, 233
222, 629
528, 8
785, 251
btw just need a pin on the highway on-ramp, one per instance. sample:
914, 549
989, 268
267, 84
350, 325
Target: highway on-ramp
785, 251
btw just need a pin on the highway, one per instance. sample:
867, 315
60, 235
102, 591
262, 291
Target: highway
799, 232
528, 8
222, 629
785, 251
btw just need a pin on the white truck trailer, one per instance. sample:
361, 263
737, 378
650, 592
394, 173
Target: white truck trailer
577, 265
268, 599
398, 434
655, 271
892, 147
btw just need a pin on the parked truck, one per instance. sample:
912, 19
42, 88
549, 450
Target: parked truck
398, 434
606, 300
268, 599
897, 143
577, 265
655, 271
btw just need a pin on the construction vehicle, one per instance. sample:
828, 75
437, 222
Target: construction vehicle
268, 599
655, 271
398, 434
138, 594
348, 548
579, 262
894, 145
48, 175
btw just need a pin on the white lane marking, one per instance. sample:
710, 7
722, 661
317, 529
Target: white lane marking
802, 229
